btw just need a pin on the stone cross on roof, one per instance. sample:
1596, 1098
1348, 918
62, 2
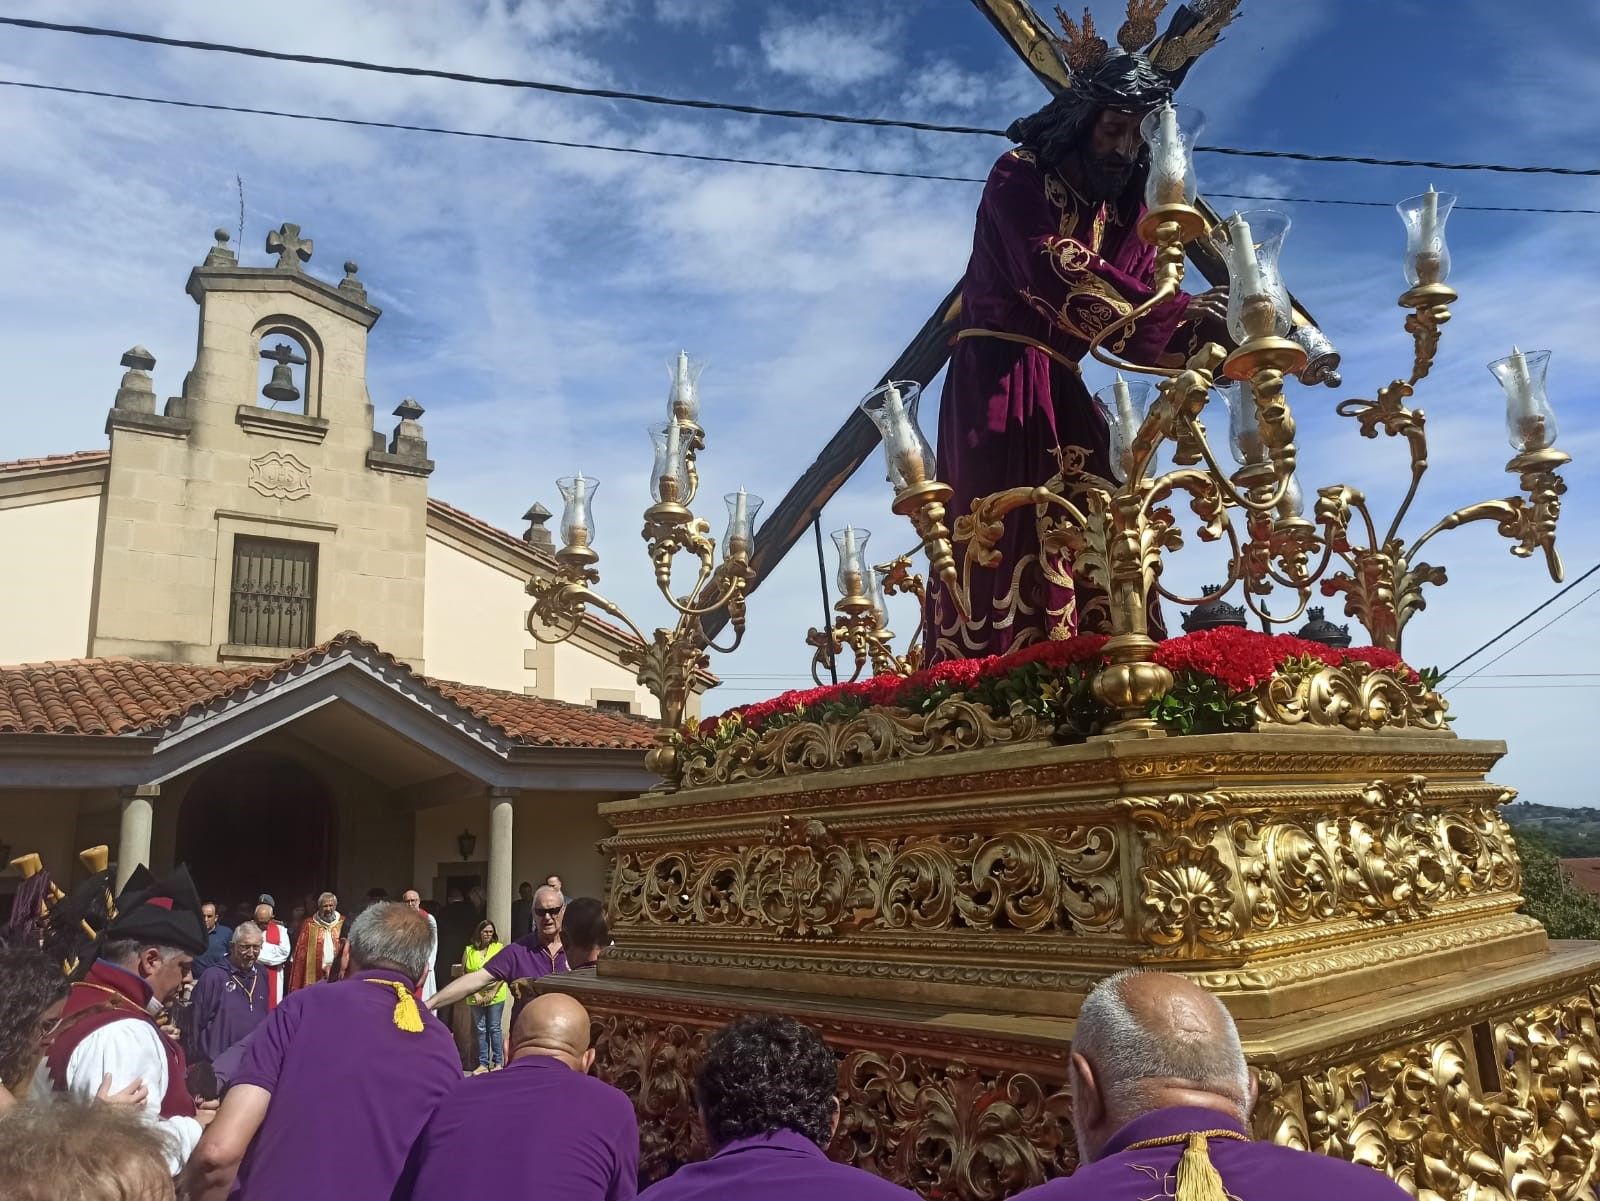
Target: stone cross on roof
289, 246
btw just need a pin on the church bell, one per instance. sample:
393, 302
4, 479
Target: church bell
281, 386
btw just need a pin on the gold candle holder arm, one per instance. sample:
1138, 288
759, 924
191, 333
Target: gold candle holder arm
1529, 522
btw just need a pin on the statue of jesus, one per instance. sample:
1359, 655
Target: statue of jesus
1056, 259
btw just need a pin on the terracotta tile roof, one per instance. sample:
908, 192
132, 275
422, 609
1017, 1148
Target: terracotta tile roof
493, 532
116, 696
74, 459
1585, 873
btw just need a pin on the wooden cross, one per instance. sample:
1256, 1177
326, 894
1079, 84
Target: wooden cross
857, 438
289, 246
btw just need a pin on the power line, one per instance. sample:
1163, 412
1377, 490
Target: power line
1545, 604
1586, 596
494, 137
830, 168
726, 106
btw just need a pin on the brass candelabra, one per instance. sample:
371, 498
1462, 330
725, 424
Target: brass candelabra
1114, 534
863, 623
669, 659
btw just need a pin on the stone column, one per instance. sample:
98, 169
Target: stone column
133, 842
499, 912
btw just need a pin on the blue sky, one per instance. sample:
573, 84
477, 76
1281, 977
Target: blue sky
532, 295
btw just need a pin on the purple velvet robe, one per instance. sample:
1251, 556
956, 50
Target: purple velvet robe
783, 1166
350, 1091
225, 1007
1250, 1171
1055, 270
535, 1128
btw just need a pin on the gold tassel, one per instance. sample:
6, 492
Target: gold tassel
1197, 1175
407, 1016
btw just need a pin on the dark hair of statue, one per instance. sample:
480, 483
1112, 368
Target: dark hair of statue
765, 1074
30, 982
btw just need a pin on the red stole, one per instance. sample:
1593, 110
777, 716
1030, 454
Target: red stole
109, 994
277, 936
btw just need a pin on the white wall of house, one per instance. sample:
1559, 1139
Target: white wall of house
49, 582
472, 621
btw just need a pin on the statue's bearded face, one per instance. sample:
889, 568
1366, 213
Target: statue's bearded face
1109, 154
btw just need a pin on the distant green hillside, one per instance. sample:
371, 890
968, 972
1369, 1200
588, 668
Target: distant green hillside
1570, 833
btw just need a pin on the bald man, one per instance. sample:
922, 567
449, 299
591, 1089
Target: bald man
542, 1127
1157, 1074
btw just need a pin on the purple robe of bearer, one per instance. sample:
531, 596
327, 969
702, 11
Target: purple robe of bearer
335, 1060
1141, 1161
534, 1128
226, 1005
781, 1166
524, 959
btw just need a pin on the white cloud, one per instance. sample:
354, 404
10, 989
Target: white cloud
700, 13
831, 53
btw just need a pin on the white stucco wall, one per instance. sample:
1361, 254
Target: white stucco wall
473, 613
49, 550
472, 621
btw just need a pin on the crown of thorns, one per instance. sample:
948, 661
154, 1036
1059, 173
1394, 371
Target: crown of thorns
1193, 31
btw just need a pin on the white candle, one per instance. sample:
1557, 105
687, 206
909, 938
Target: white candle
673, 468
1126, 420
1428, 232
680, 406
1246, 272
1521, 382
741, 514
580, 488
1169, 164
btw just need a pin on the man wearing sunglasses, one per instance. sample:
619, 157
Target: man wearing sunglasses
525, 960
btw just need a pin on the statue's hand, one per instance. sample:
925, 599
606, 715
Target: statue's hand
1213, 304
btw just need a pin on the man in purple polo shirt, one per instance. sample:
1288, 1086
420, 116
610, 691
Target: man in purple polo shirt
542, 1127
528, 958
767, 1091
1161, 1092
361, 1050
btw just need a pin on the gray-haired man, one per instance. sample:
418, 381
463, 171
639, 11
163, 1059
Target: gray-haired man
230, 998
1161, 1097
360, 1046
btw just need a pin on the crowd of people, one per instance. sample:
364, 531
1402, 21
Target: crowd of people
351, 1089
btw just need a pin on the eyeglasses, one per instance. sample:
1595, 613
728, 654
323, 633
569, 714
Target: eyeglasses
47, 1028
543, 912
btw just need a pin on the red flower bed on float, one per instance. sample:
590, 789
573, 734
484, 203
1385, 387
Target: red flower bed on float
1216, 671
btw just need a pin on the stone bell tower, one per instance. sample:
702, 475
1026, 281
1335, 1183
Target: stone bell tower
260, 512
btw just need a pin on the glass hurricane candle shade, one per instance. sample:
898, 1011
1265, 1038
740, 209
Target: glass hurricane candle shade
669, 475
1244, 428
1258, 302
880, 606
742, 509
577, 495
893, 409
1530, 421
1293, 502
852, 545
1124, 403
1427, 256
683, 399
1171, 132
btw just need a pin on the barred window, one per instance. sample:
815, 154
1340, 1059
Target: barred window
274, 593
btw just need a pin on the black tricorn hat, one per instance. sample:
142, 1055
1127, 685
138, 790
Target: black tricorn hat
163, 912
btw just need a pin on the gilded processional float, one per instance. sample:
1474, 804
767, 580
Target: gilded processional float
933, 864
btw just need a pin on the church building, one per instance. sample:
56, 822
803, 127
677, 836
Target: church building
248, 639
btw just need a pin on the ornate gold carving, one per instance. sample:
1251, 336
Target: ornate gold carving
1524, 1125
801, 881
950, 1129
876, 736
653, 1062
1354, 696
1185, 890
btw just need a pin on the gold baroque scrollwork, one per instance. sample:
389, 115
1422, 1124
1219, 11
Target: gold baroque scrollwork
654, 1063
1354, 696
875, 736
1435, 1121
950, 1129
1185, 890
801, 881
